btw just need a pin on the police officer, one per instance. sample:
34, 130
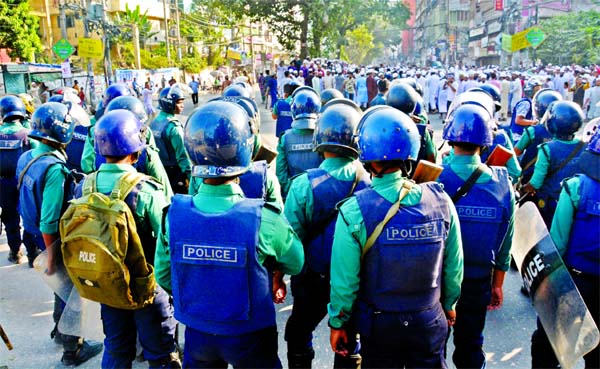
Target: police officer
400, 299
557, 159
168, 134
485, 204
310, 209
404, 98
534, 136
282, 110
148, 161
13, 142
295, 146
522, 113
120, 139
575, 233
44, 188
220, 284
88, 157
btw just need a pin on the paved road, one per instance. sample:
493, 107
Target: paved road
26, 312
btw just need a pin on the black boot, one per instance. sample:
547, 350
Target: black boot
84, 352
300, 361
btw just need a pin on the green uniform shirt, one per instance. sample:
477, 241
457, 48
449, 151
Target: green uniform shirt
276, 238
542, 165
54, 191
273, 190
562, 222
15, 126
299, 203
351, 236
526, 139
282, 171
464, 166
151, 199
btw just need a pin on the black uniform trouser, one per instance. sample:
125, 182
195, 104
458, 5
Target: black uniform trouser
311, 296
542, 354
9, 199
195, 98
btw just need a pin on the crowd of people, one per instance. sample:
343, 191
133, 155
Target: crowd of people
137, 208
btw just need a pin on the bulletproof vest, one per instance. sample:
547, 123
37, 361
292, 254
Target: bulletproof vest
254, 181
219, 286
166, 151
12, 145
402, 271
75, 148
32, 189
559, 151
541, 135
424, 130
514, 127
484, 213
499, 138
583, 250
141, 165
299, 151
284, 117
327, 192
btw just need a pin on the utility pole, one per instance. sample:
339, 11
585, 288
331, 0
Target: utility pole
63, 19
87, 6
107, 61
252, 52
179, 54
167, 44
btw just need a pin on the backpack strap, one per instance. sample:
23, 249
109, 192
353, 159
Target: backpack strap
406, 187
89, 184
126, 183
469, 183
22, 175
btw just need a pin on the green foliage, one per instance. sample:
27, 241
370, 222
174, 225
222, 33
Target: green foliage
127, 19
360, 43
571, 38
153, 59
18, 29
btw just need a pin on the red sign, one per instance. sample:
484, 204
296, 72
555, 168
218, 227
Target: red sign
499, 5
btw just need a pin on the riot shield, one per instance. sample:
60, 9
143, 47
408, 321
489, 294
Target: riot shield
71, 320
555, 298
589, 129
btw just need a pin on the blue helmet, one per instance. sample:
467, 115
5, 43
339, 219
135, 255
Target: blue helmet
56, 98
474, 96
336, 128
168, 97
52, 121
494, 92
218, 140
249, 106
303, 88
542, 100
306, 105
329, 94
236, 90
385, 134
115, 90
469, 124
129, 103
412, 83
119, 133
594, 144
12, 107
402, 97
563, 119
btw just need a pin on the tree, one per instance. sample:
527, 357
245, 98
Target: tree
18, 30
571, 38
360, 43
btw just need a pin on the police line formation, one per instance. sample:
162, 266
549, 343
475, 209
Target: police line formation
399, 252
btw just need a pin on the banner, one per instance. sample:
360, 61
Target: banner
499, 5
506, 42
90, 48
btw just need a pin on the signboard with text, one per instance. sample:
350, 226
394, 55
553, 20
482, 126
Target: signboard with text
499, 5
63, 49
90, 48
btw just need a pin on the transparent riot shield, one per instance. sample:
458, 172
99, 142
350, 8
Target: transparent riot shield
555, 298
